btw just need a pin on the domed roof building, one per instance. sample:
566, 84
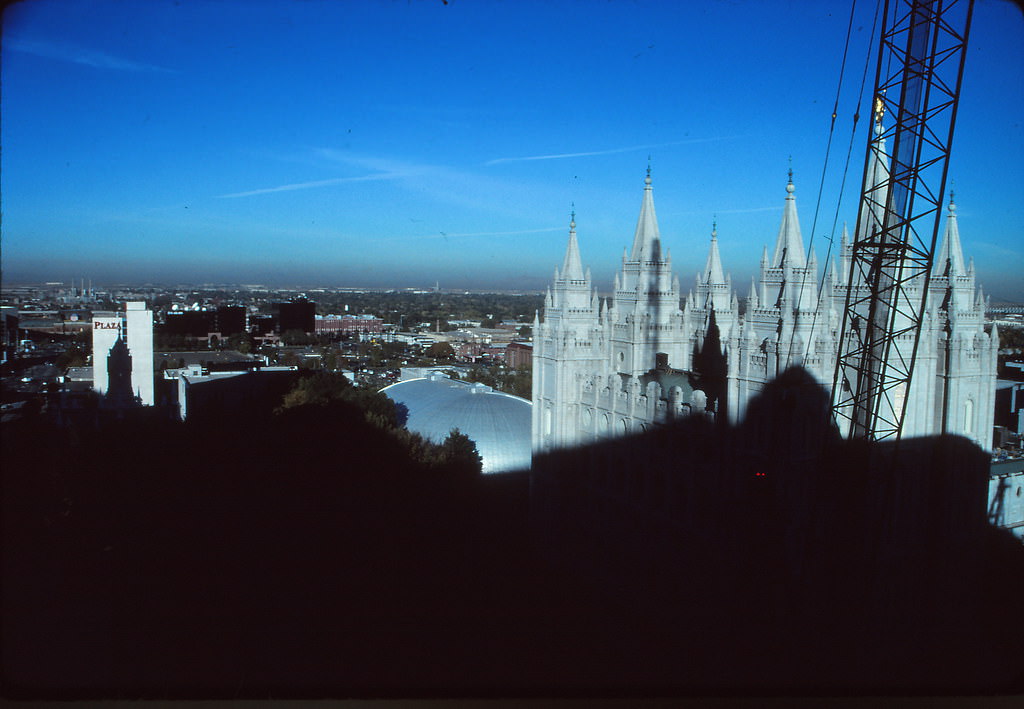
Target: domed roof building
498, 423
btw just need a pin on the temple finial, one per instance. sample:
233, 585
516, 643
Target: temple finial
714, 227
572, 215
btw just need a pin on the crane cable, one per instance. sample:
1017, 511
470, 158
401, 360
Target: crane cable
846, 167
853, 131
821, 182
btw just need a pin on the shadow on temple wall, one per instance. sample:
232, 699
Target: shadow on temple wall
799, 559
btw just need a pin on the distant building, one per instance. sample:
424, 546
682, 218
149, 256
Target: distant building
300, 314
140, 343
106, 329
467, 351
229, 320
9, 326
1010, 405
348, 324
262, 325
135, 329
519, 355
219, 395
210, 360
78, 375
189, 323
1006, 496
445, 370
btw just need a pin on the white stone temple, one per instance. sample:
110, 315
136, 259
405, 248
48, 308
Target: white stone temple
613, 366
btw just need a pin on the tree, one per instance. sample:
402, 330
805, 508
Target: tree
401, 414
330, 360
295, 337
71, 357
325, 388
319, 389
241, 341
461, 455
518, 382
441, 350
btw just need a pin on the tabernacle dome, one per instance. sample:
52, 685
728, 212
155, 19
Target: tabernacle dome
498, 423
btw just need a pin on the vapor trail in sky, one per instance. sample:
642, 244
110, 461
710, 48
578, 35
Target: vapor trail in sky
81, 55
314, 183
611, 151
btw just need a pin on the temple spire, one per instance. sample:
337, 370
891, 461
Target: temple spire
647, 240
713, 272
876, 181
572, 266
789, 247
950, 254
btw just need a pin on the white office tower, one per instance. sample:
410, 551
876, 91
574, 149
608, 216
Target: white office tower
106, 328
140, 344
135, 327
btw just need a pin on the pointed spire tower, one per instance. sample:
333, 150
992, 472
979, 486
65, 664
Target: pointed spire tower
647, 238
787, 277
572, 265
789, 246
949, 261
572, 291
564, 348
647, 319
713, 287
952, 282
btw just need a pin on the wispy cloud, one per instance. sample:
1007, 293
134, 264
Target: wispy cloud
988, 249
82, 55
774, 208
445, 235
610, 151
453, 235
315, 183
380, 169
399, 168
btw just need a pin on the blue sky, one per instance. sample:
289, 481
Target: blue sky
380, 143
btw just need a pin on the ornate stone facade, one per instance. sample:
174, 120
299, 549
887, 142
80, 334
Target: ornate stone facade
605, 367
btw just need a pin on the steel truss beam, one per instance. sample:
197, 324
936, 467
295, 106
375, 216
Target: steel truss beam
917, 83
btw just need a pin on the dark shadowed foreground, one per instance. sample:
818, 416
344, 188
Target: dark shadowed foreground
305, 554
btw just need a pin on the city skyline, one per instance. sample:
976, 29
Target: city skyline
386, 145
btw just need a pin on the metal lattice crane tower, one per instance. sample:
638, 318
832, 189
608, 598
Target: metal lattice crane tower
917, 84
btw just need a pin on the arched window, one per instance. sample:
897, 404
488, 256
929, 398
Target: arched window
588, 418
623, 427
969, 417
547, 421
